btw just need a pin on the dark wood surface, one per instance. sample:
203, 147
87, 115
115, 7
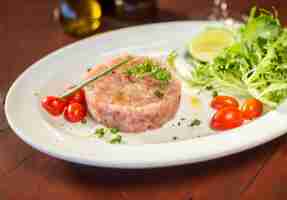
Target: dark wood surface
30, 32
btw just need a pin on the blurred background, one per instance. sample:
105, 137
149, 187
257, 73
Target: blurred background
84, 17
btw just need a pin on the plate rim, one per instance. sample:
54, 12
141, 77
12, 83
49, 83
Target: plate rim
68, 156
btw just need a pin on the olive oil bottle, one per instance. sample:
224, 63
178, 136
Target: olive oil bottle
80, 17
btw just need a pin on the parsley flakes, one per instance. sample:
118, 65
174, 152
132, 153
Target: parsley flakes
116, 139
114, 130
150, 68
158, 93
100, 132
195, 122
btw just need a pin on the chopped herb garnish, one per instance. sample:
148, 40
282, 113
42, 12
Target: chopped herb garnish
195, 122
161, 74
92, 79
116, 139
151, 68
209, 87
100, 132
174, 138
182, 119
171, 58
158, 93
114, 130
214, 93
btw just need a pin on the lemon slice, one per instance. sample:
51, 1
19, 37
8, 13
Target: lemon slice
208, 44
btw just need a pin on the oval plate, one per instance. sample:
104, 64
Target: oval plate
151, 149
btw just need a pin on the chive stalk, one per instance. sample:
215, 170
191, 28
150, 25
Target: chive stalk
86, 82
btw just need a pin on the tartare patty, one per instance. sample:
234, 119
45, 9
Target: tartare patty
128, 102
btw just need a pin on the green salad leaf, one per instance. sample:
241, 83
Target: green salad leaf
255, 65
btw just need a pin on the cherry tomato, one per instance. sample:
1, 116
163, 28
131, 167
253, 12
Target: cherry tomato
53, 105
75, 112
78, 96
252, 108
219, 102
227, 118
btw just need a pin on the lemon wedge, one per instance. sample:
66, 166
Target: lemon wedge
208, 44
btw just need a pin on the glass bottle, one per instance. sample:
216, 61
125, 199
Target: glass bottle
80, 17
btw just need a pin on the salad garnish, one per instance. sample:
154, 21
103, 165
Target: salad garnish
254, 66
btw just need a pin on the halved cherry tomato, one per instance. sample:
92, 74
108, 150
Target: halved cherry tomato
75, 112
252, 108
227, 118
53, 105
219, 102
78, 96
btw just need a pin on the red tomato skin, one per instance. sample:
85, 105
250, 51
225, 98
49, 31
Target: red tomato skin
75, 112
252, 108
53, 105
219, 102
78, 96
226, 118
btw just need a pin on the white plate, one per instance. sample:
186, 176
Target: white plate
150, 149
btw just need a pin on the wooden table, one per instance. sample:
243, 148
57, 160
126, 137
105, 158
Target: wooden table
28, 32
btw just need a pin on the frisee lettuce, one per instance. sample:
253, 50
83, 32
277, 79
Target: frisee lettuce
255, 65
